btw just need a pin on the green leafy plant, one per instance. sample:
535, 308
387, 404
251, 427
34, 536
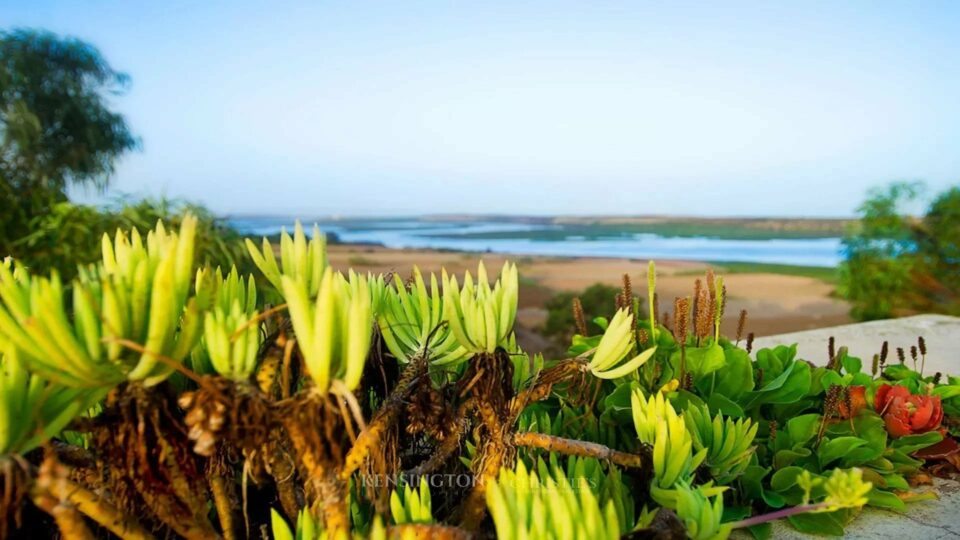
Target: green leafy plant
412, 322
524, 505
408, 505
301, 261
617, 342
729, 443
231, 337
334, 329
701, 513
646, 428
33, 410
480, 316
674, 460
138, 296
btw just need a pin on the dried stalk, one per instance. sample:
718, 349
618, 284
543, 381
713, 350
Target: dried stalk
576, 447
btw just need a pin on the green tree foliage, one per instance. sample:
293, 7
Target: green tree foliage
56, 127
69, 234
897, 264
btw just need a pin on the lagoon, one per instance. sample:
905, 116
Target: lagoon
471, 236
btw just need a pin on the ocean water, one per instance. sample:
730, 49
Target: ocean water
454, 235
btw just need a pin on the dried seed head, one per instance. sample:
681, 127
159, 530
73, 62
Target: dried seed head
687, 381
721, 300
627, 291
643, 337
703, 314
900, 355
847, 400
923, 345
876, 365
884, 351
936, 377
759, 377
832, 400
750, 342
741, 324
832, 349
619, 302
711, 282
773, 431
578, 317
681, 322
913, 352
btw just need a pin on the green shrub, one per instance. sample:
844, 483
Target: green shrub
897, 264
597, 300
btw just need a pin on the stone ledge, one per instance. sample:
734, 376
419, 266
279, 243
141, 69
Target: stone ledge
863, 340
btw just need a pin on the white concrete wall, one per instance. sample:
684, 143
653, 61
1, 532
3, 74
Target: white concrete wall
941, 333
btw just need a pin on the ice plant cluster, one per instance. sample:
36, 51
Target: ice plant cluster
153, 396
413, 325
480, 316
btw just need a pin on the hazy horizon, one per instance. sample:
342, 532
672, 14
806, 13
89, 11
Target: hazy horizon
519, 215
527, 108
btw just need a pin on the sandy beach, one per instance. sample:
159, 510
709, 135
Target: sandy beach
775, 303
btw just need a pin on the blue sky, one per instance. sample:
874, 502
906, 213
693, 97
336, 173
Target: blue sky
354, 108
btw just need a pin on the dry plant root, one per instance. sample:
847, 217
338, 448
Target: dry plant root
68, 520
489, 380
222, 410
281, 465
223, 490
332, 496
448, 446
422, 531
148, 457
316, 430
574, 447
14, 486
53, 483
384, 419
544, 383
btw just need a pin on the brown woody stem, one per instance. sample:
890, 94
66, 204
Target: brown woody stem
423, 531
448, 446
574, 447
370, 436
68, 520
53, 482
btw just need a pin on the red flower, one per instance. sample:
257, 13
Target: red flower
854, 401
906, 413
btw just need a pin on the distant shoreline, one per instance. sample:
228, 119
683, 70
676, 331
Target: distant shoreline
811, 243
668, 226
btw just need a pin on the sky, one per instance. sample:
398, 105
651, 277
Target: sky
516, 107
